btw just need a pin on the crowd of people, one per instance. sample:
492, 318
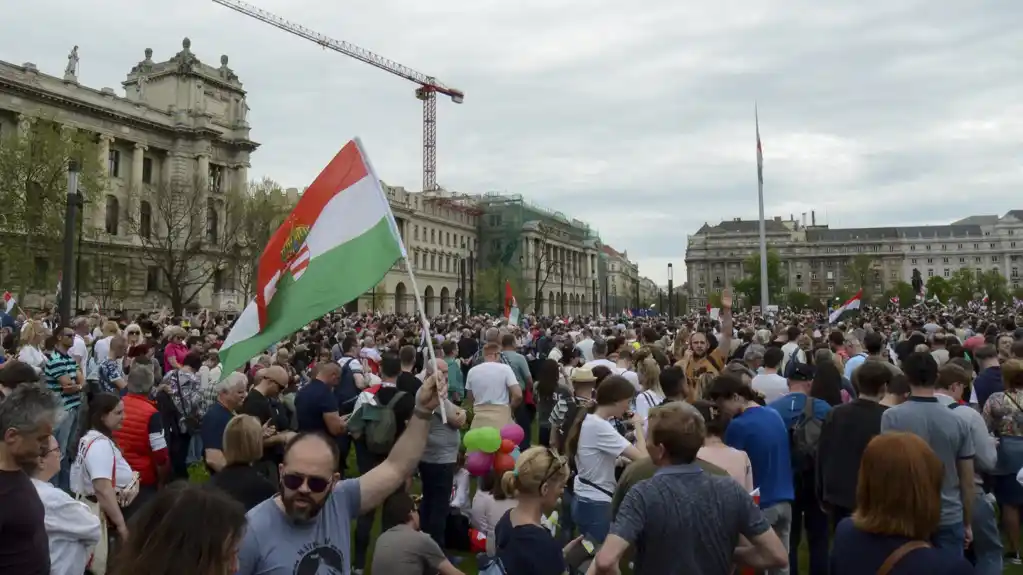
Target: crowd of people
887, 443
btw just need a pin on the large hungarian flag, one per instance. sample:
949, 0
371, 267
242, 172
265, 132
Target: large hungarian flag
853, 304
336, 244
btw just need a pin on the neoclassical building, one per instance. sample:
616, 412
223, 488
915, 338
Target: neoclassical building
175, 121
815, 258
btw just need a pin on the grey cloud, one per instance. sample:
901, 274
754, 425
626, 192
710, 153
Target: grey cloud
639, 121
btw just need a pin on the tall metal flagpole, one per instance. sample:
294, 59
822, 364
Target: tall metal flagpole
763, 230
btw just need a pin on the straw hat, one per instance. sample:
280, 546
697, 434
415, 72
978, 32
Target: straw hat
583, 375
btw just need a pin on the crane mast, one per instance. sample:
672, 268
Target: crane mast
427, 91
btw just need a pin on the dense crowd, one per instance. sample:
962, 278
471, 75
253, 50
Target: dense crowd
889, 442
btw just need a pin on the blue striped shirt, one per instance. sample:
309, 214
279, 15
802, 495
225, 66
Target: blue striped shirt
58, 365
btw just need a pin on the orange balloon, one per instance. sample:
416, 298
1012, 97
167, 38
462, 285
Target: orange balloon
502, 463
506, 446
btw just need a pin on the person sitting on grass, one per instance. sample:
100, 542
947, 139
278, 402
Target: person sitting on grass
404, 548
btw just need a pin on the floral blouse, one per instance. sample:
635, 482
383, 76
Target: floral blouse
1003, 413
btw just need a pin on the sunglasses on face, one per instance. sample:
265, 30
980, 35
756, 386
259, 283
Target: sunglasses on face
295, 481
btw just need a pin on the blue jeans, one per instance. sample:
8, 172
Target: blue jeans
593, 518
566, 525
437, 480
987, 541
950, 538
66, 433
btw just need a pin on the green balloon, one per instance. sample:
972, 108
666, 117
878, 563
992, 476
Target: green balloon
489, 439
471, 440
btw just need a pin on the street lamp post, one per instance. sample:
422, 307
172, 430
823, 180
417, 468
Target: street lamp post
68, 262
461, 282
607, 298
660, 301
671, 292
596, 304
562, 305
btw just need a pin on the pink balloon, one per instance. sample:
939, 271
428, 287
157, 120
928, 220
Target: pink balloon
513, 433
478, 463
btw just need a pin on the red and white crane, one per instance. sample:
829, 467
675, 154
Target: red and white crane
427, 91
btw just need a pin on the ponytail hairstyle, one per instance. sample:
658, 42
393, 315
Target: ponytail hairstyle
610, 391
536, 467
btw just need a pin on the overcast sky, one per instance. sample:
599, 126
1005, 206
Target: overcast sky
635, 117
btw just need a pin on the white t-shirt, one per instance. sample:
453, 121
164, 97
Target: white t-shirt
489, 383
102, 349
645, 401
630, 376
599, 446
771, 385
585, 347
79, 351
95, 460
788, 349
460, 493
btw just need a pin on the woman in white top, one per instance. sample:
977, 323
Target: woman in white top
101, 349
100, 473
71, 526
593, 446
33, 333
488, 507
650, 380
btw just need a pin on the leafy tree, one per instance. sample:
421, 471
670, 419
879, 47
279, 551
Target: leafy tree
994, 285
749, 286
190, 237
714, 297
33, 193
905, 292
263, 208
861, 273
798, 300
939, 287
490, 289
962, 286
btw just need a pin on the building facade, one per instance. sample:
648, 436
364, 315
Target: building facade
816, 259
622, 281
179, 121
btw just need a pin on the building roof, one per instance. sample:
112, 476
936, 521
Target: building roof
850, 234
740, 226
977, 221
613, 252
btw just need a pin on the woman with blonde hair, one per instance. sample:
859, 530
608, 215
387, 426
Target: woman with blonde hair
243, 447
650, 381
101, 349
33, 334
523, 544
898, 507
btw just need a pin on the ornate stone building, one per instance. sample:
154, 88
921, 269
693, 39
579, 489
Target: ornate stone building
622, 283
178, 121
815, 259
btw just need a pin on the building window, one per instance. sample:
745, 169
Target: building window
976, 260
218, 281
415, 260
895, 275
930, 260
147, 170
212, 220
930, 273
927, 247
944, 260
992, 246
912, 261
433, 236
433, 262
113, 207
1014, 273
962, 260
943, 246
145, 219
994, 259
912, 248
946, 273
152, 278
114, 160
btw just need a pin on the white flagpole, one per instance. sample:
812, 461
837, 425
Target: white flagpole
411, 276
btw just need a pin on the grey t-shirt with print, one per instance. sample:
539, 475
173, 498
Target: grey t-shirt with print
275, 545
402, 550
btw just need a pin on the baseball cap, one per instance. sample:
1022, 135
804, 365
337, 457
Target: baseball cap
802, 372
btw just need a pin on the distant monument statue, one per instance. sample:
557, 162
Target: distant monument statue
141, 82
72, 63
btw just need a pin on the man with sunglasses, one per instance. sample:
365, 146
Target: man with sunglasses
307, 527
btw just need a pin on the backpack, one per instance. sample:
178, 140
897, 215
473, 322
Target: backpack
346, 391
790, 365
806, 434
377, 425
490, 565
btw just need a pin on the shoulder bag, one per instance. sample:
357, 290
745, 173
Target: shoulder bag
905, 549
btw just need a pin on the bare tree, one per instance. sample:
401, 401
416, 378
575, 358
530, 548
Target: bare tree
187, 235
544, 262
263, 209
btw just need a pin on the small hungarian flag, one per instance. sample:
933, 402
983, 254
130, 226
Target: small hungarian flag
848, 307
509, 299
9, 302
336, 244
986, 299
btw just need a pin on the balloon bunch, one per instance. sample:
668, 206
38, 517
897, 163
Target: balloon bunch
487, 448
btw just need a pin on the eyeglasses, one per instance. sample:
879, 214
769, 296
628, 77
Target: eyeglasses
46, 452
295, 481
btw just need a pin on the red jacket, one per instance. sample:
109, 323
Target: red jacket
133, 438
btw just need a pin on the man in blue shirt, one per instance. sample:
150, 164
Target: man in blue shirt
316, 407
806, 510
762, 434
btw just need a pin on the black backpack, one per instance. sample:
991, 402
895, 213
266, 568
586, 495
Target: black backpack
804, 437
346, 391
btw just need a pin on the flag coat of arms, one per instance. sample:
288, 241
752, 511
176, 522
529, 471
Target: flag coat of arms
337, 243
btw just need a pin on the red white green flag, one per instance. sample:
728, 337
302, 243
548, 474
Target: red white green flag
336, 244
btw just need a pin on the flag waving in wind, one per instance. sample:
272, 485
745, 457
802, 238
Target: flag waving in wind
853, 304
760, 150
336, 244
511, 307
9, 302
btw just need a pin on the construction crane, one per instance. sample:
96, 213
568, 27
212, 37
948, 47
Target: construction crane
427, 91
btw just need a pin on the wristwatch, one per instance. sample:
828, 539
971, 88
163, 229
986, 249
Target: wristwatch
422, 413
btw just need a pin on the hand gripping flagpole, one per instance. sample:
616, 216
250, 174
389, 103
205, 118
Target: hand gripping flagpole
412, 279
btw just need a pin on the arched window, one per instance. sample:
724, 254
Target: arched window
211, 220
113, 212
145, 219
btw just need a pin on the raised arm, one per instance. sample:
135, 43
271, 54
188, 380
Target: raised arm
725, 341
387, 477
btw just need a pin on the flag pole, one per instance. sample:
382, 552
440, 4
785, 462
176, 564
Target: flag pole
412, 279
763, 230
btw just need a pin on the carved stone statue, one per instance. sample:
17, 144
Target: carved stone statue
244, 110
141, 82
72, 63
